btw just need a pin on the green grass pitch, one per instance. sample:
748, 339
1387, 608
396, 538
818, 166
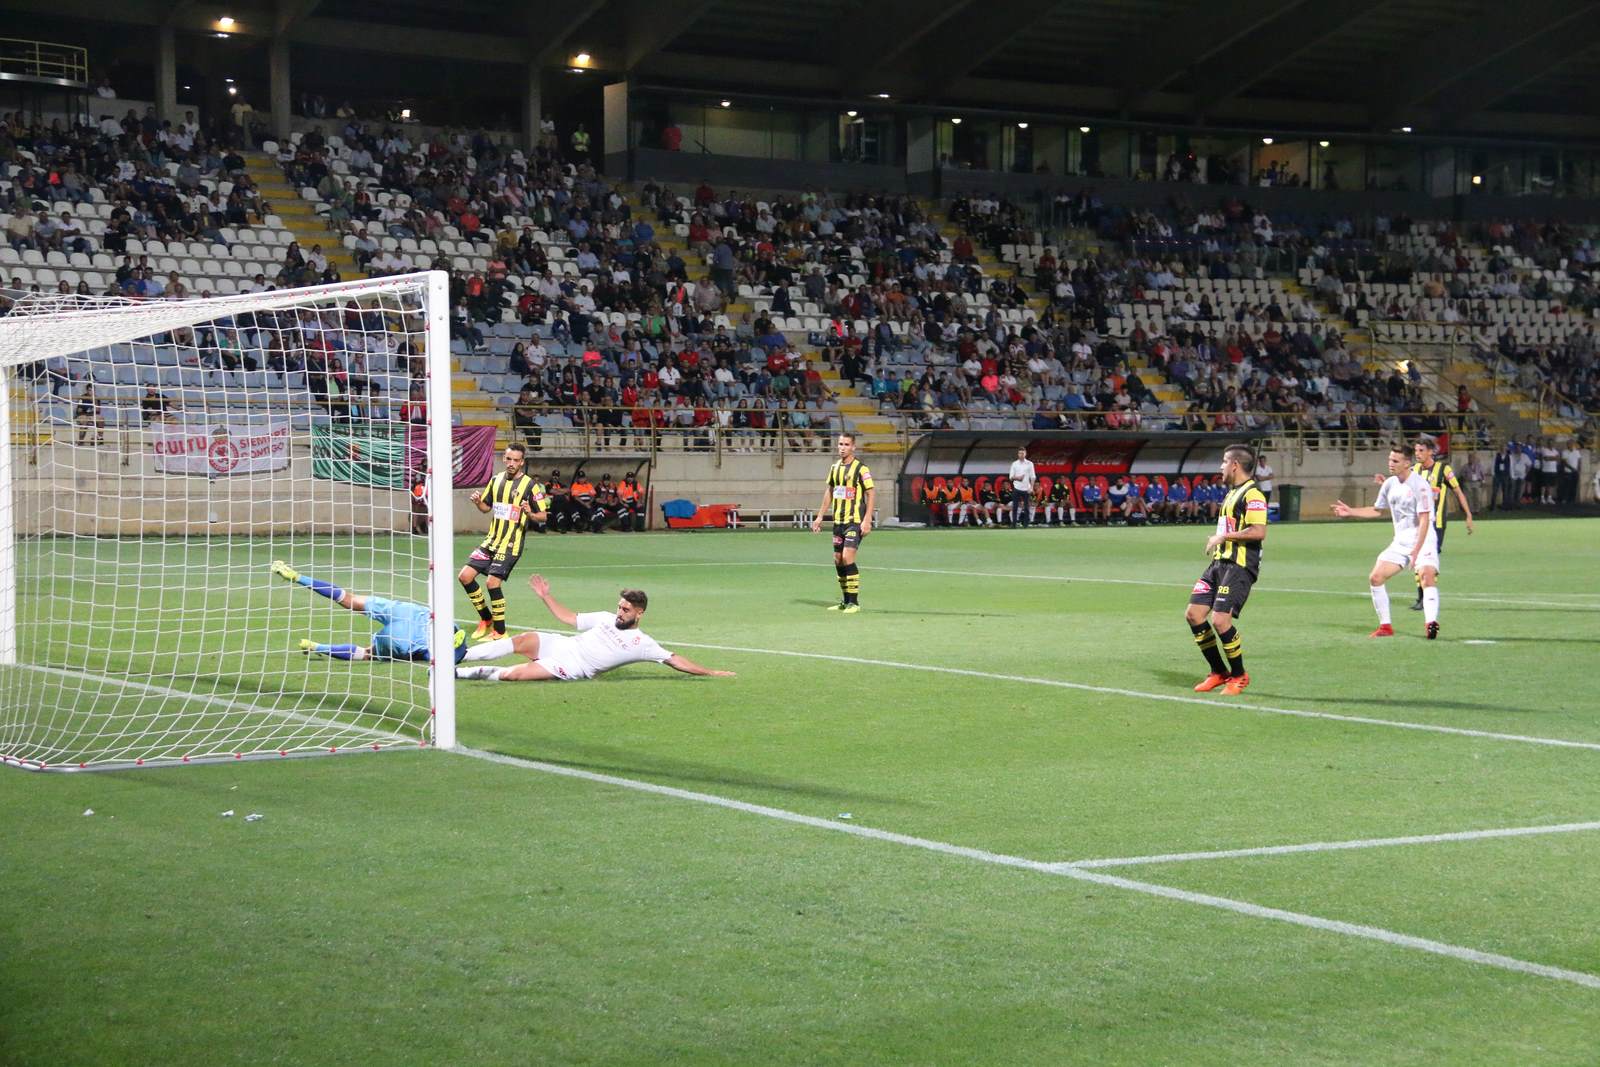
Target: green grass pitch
432, 908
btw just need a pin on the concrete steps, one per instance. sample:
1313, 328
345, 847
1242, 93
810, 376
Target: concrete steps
299, 216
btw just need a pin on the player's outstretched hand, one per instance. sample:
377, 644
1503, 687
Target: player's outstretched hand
1378, 479
1341, 509
1211, 544
722, 674
540, 587
1469, 525
477, 496
816, 524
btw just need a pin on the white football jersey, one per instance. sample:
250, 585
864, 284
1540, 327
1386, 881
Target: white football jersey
1405, 500
603, 647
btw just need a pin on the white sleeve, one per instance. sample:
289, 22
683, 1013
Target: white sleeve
650, 650
1424, 493
588, 620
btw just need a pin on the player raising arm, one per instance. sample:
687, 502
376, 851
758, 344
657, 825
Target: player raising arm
1408, 498
604, 642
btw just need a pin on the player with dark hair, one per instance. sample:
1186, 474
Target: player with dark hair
849, 496
1221, 592
515, 500
604, 641
1438, 475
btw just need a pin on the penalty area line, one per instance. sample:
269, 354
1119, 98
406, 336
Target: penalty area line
1336, 846
1171, 698
1237, 907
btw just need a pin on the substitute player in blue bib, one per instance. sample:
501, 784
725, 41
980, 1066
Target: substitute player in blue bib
403, 626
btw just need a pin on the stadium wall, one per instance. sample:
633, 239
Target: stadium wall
81, 491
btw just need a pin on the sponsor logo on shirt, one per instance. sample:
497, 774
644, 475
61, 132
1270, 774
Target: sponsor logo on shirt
1256, 505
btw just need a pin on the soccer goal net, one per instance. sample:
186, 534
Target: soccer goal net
158, 458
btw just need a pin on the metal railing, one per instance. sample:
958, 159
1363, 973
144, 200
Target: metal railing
42, 59
1459, 345
587, 431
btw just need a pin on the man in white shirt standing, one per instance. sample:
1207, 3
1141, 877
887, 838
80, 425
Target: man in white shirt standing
1408, 498
1022, 477
603, 642
1264, 474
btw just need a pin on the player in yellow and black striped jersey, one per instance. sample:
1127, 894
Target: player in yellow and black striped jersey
515, 500
850, 498
1235, 551
1439, 476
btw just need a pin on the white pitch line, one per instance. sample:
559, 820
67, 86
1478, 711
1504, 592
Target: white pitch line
1470, 598
1173, 698
1237, 907
1336, 846
224, 702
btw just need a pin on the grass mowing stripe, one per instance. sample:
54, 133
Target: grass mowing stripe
1337, 846
1471, 598
1300, 713
1363, 594
1238, 907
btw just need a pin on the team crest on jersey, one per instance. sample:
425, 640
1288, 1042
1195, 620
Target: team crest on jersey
1202, 586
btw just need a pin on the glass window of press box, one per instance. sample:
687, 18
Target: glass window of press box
768, 132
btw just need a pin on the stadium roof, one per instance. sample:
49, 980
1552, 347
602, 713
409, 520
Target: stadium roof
1467, 66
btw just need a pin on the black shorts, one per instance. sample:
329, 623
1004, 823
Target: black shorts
847, 535
1223, 587
486, 560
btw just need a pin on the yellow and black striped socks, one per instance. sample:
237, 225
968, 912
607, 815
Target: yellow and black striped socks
497, 609
475, 594
839, 569
1233, 648
851, 581
1206, 638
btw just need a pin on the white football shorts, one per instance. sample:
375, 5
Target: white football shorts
1398, 553
558, 654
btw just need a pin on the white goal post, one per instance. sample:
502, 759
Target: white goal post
159, 457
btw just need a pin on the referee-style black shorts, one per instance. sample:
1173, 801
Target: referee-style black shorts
1223, 587
496, 564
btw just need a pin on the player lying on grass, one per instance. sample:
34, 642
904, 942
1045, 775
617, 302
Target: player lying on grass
403, 626
603, 642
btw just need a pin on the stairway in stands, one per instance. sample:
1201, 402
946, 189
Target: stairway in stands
475, 407
1171, 396
857, 411
298, 215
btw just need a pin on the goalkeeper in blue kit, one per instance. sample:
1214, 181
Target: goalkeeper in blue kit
403, 626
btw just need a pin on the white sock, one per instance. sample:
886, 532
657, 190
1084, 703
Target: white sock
499, 648
1430, 603
1380, 600
479, 674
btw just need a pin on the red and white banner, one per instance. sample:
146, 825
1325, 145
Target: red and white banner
472, 454
222, 448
